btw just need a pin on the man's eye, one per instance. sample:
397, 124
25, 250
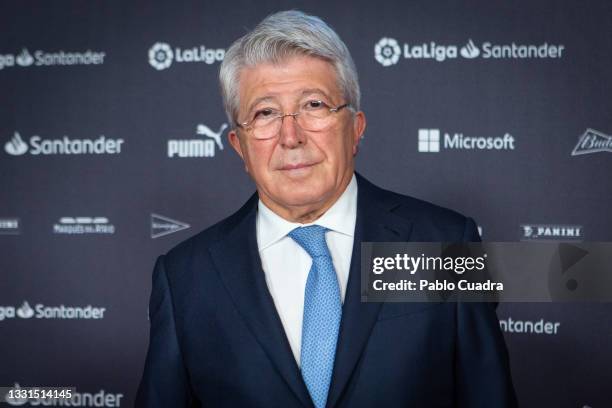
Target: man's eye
315, 105
264, 113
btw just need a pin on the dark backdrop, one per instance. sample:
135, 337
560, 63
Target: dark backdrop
82, 222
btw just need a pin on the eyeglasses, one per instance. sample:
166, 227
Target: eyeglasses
313, 115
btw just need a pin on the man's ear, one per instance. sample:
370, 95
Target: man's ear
359, 125
235, 142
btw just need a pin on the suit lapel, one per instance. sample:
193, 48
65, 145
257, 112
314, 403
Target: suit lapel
375, 222
237, 260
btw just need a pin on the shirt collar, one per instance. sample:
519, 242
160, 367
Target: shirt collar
341, 217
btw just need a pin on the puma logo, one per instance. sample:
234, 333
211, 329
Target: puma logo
216, 136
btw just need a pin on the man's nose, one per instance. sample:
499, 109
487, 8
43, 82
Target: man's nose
291, 135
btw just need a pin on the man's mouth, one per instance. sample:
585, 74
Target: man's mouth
296, 166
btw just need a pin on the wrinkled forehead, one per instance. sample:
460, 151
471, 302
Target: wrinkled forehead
287, 79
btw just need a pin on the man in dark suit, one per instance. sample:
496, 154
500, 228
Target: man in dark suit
263, 309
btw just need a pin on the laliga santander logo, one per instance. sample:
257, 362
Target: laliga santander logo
387, 51
160, 56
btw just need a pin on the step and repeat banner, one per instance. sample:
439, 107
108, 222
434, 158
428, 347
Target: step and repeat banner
113, 149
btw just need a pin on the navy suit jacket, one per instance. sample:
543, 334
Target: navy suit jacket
216, 339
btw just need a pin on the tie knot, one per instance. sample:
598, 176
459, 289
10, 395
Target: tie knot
312, 239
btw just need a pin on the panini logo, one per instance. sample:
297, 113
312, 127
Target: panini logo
9, 226
388, 51
551, 232
83, 225
592, 141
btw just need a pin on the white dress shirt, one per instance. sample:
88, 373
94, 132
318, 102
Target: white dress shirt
286, 264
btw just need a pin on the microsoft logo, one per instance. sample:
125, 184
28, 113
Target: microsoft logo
429, 140
432, 140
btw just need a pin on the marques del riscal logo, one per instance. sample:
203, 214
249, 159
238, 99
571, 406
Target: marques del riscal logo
42, 311
10, 225
433, 141
200, 147
36, 145
162, 55
83, 225
41, 58
388, 51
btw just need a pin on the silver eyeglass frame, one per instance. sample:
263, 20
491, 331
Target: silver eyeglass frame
246, 125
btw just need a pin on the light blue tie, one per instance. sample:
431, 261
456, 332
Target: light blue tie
322, 313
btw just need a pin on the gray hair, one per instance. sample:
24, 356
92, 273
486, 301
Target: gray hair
277, 37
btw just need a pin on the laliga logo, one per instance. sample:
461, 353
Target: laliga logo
16, 146
387, 51
160, 56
